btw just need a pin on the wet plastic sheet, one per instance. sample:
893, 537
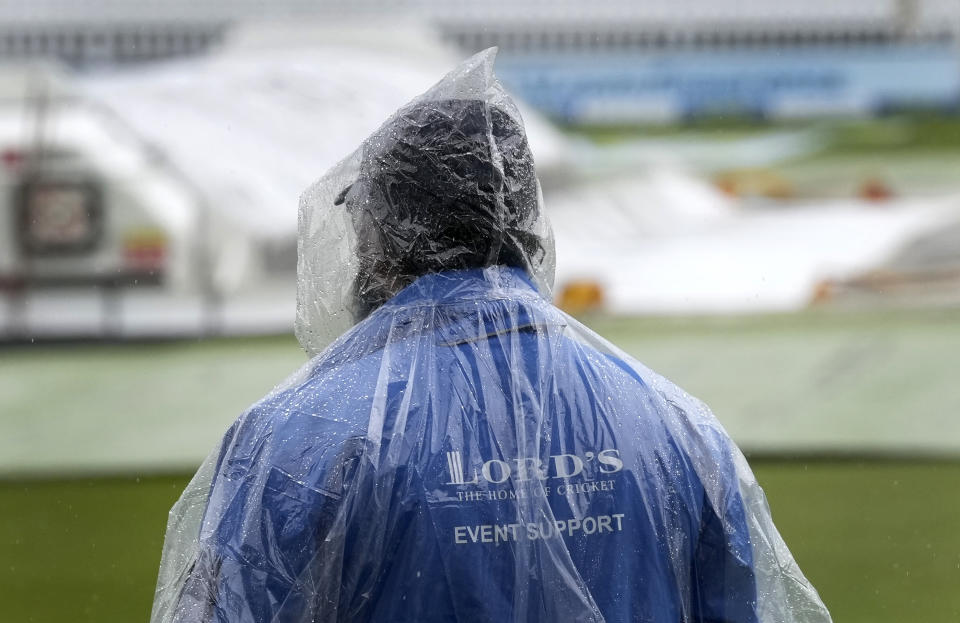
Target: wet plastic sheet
464, 451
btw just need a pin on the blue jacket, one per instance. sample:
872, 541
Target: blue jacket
468, 453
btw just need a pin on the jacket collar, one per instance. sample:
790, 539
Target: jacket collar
460, 285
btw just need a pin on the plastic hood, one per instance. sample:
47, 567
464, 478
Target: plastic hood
447, 182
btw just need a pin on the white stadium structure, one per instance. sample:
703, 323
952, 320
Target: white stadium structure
155, 199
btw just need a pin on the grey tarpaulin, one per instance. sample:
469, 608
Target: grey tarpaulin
456, 448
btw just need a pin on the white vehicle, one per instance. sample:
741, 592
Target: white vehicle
163, 200
91, 214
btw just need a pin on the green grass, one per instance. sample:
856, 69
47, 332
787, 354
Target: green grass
82, 550
107, 407
914, 153
899, 133
824, 381
819, 381
879, 540
894, 133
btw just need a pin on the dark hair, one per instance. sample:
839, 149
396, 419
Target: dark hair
444, 185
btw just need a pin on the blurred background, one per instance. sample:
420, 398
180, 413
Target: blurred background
760, 200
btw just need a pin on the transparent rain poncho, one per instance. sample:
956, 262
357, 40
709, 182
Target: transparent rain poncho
458, 449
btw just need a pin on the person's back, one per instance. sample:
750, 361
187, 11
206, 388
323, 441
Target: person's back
467, 452
521, 443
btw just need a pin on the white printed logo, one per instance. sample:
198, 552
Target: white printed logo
455, 467
564, 466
